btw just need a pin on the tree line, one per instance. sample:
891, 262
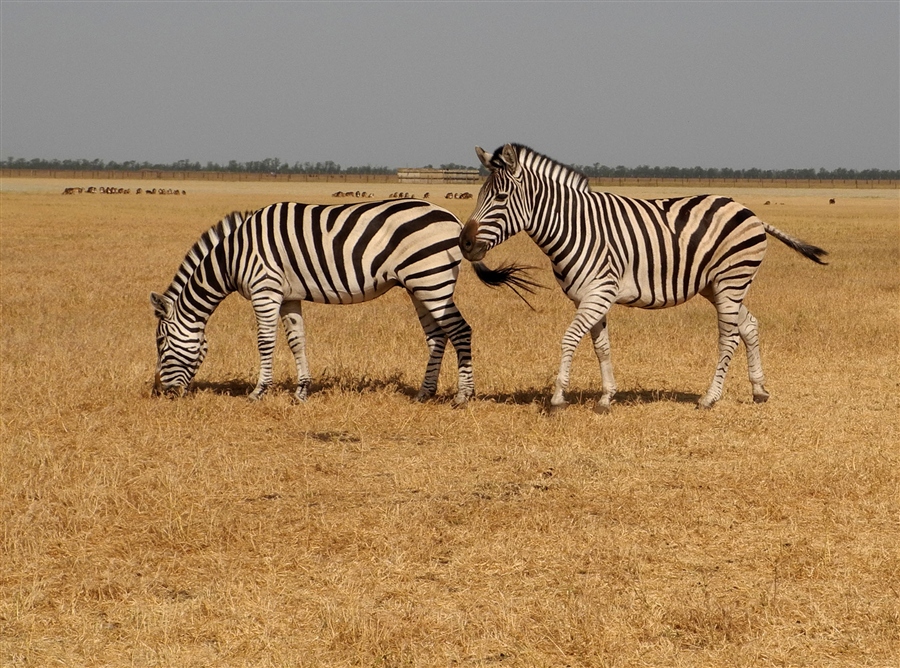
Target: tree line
645, 171
267, 166
276, 166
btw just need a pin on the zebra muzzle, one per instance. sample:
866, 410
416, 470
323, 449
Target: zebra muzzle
472, 249
172, 392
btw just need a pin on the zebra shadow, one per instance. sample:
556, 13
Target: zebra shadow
637, 397
364, 383
241, 387
531, 395
232, 387
541, 397
361, 384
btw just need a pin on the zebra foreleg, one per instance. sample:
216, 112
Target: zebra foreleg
292, 319
437, 342
266, 310
591, 312
749, 330
600, 337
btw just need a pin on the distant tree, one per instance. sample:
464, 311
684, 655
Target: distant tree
369, 169
453, 165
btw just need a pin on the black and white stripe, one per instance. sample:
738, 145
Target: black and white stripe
608, 249
287, 253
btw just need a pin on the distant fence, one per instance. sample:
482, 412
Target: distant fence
439, 176
452, 176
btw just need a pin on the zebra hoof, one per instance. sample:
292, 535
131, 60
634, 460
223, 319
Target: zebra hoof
302, 391
601, 408
705, 404
556, 409
460, 403
761, 398
423, 396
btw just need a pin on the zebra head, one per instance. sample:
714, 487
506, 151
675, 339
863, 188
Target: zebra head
180, 348
501, 209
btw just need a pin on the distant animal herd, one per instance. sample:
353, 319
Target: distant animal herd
360, 194
396, 195
109, 190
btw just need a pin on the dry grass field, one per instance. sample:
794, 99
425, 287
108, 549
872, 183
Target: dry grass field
362, 529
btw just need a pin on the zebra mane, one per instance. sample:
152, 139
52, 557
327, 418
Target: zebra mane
542, 165
203, 246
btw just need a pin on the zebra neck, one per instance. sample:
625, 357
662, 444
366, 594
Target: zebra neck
552, 226
203, 292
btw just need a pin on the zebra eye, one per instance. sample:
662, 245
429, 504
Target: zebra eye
501, 197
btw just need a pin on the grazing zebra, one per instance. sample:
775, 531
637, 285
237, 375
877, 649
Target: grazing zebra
608, 249
286, 253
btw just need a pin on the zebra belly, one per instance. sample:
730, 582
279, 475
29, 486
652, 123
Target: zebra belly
630, 294
323, 292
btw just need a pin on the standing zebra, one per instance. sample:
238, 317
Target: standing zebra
608, 249
286, 253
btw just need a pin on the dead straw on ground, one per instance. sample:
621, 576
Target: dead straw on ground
363, 529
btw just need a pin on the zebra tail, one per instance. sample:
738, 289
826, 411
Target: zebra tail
814, 253
513, 276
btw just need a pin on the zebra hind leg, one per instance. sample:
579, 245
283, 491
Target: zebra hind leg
437, 342
749, 330
729, 335
450, 321
292, 319
460, 334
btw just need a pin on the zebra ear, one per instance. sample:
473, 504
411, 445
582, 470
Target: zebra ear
510, 157
485, 157
162, 305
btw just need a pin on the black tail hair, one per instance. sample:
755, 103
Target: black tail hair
814, 253
513, 276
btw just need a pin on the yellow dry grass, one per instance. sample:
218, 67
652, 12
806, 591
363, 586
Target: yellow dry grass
362, 529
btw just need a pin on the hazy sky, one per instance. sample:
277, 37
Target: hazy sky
773, 85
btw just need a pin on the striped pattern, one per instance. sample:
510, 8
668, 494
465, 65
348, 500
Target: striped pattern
287, 253
608, 249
